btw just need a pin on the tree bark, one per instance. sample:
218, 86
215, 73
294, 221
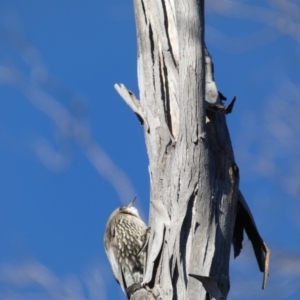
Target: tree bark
193, 175
193, 181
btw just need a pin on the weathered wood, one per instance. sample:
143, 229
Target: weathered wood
191, 163
193, 175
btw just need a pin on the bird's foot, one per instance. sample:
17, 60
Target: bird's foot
133, 288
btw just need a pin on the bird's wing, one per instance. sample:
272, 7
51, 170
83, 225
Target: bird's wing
116, 268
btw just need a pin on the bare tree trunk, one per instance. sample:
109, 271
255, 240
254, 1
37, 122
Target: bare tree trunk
193, 175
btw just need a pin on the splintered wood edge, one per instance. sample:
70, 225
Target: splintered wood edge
267, 263
131, 100
126, 96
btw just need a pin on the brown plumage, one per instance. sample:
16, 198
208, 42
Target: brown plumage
123, 239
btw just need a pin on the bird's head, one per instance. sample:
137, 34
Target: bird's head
129, 209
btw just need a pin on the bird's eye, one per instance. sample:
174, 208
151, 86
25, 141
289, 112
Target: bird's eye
122, 208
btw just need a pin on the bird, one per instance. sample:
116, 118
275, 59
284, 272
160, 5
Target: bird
124, 238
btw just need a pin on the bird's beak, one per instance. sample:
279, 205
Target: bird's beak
131, 203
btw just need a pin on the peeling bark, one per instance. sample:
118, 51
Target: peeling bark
193, 175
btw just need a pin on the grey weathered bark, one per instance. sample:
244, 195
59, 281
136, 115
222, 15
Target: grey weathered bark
193, 175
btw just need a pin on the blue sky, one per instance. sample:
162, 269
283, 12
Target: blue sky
54, 202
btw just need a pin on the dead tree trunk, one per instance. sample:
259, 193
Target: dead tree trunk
193, 175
